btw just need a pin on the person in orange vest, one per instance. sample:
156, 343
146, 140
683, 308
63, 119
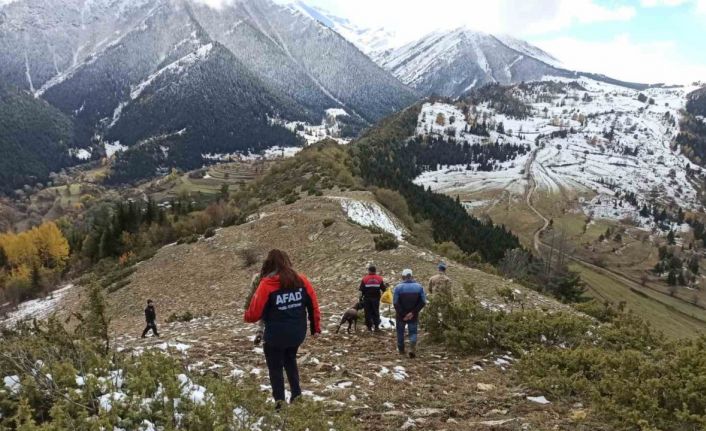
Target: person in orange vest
284, 300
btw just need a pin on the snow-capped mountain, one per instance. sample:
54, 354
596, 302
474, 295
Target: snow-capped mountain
47, 43
368, 40
450, 63
101, 61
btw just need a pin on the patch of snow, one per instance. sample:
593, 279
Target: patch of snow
80, 153
36, 308
113, 147
539, 400
107, 401
399, 373
12, 383
370, 214
179, 347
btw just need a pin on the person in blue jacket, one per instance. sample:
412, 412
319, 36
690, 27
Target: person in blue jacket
409, 299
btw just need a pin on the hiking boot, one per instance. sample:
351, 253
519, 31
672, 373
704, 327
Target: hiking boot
377, 329
412, 350
412, 355
400, 350
278, 405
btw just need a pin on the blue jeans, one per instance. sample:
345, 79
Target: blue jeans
412, 325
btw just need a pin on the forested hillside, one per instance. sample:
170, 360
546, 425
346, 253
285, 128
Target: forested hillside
692, 134
34, 139
385, 157
211, 106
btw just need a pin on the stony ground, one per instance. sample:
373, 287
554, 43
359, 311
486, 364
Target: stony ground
360, 371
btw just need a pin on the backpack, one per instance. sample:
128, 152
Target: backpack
386, 297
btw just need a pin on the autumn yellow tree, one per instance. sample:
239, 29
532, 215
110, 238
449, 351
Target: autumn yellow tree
43, 247
51, 245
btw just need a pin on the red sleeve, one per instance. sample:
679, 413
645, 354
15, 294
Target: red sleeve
315, 316
258, 301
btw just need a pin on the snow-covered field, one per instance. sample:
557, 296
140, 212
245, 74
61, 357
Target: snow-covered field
613, 143
313, 133
36, 309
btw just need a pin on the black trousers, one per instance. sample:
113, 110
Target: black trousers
153, 327
279, 358
372, 312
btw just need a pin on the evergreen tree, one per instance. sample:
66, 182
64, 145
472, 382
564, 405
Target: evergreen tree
670, 238
672, 278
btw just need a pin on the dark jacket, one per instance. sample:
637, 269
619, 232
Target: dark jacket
372, 286
409, 297
284, 311
150, 314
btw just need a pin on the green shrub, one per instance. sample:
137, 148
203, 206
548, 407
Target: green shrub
186, 316
210, 232
601, 311
290, 199
386, 241
468, 326
188, 239
118, 285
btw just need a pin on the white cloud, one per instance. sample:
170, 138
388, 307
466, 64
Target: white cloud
411, 19
701, 6
655, 3
623, 58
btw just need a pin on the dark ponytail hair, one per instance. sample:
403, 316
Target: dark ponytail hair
278, 262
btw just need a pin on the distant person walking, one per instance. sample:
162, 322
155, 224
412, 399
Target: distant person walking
440, 284
151, 319
283, 299
409, 299
371, 288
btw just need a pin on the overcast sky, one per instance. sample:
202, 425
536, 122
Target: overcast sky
639, 40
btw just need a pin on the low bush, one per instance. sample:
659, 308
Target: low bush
188, 239
209, 233
386, 241
186, 316
328, 222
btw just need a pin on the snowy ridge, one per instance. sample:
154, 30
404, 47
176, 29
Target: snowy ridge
449, 63
176, 67
368, 40
529, 50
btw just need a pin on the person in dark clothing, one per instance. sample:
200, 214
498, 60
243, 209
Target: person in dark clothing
151, 319
409, 299
371, 288
283, 300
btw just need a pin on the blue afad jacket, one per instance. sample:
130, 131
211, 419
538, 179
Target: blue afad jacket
409, 297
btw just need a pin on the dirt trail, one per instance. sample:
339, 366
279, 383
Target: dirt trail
532, 187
